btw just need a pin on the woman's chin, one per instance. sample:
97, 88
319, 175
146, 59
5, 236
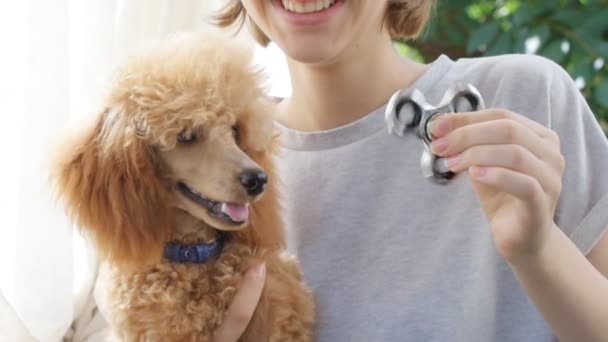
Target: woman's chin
311, 51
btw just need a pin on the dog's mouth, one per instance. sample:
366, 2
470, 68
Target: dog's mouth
233, 213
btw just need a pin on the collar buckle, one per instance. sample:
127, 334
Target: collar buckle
198, 253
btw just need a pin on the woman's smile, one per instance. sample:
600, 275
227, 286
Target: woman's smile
297, 12
307, 6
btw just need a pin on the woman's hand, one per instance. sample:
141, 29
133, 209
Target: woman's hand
516, 168
243, 305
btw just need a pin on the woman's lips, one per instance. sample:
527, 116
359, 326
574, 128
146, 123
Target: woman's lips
308, 19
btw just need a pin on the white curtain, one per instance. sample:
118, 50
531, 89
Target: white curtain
56, 58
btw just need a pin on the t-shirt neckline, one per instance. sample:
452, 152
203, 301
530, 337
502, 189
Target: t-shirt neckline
367, 125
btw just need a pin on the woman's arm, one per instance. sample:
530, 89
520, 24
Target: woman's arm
570, 291
599, 255
516, 168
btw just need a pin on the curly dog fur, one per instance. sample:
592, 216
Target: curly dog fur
189, 111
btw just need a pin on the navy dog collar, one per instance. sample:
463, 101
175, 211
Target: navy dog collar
198, 253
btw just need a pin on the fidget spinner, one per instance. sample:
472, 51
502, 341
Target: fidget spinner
408, 112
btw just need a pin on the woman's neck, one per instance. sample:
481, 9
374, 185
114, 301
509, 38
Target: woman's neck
335, 94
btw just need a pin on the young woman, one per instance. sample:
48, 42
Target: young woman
513, 249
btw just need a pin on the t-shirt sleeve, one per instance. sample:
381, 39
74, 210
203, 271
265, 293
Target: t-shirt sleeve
582, 211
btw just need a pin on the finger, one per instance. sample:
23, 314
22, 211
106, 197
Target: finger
495, 132
513, 157
447, 123
243, 305
522, 186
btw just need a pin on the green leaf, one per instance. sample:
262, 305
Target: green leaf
525, 14
456, 36
547, 5
496, 27
483, 35
594, 45
553, 51
596, 25
519, 46
543, 33
583, 69
570, 17
466, 21
601, 93
579, 48
408, 51
501, 46
454, 4
602, 49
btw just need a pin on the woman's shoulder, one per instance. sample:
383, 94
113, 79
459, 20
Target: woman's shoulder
518, 68
530, 85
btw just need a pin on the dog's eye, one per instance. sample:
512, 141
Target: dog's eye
186, 137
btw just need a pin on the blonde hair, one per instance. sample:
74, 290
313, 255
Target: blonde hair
404, 19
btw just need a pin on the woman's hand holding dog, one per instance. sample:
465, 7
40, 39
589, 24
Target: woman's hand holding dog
241, 310
516, 168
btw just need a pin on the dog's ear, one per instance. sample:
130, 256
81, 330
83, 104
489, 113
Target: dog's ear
266, 228
257, 125
108, 180
260, 142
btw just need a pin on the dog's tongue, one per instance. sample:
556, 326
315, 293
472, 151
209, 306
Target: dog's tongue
237, 212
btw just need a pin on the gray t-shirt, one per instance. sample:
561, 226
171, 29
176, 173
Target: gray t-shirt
393, 257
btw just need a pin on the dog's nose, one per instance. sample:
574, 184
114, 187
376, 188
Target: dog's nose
254, 181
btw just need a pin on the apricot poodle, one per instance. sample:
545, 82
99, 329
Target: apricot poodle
174, 183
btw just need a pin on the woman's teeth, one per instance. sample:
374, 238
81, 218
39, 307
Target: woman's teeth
308, 6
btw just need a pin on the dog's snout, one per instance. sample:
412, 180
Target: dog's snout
254, 181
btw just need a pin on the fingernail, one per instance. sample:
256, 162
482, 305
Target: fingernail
260, 270
438, 146
451, 162
440, 126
